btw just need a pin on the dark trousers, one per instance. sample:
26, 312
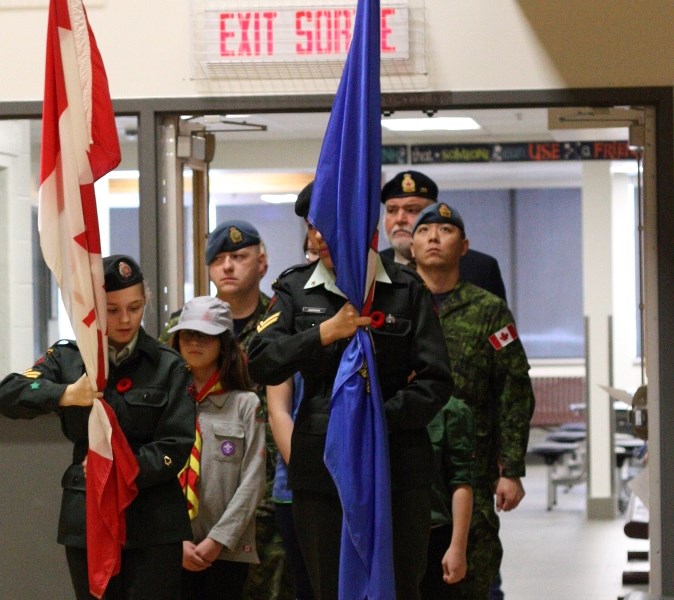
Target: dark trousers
298, 568
318, 522
223, 580
495, 591
146, 574
483, 556
432, 585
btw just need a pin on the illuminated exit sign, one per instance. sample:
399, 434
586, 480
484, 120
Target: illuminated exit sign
298, 35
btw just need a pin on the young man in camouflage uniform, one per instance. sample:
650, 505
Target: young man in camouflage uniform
490, 372
237, 262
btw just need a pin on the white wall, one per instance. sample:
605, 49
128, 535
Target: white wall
16, 292
470, 45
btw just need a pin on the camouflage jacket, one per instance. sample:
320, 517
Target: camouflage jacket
491, 374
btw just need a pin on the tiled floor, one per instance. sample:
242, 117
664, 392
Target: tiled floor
560, 554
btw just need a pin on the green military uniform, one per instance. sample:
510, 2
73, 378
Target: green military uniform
491, 374
453, 438
148, 391
270, 580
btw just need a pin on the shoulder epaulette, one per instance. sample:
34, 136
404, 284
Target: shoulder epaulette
65, 342
410, 270
298, 267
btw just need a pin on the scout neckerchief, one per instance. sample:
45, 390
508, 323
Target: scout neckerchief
189, 476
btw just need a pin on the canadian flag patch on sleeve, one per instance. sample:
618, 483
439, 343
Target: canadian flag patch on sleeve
503, 337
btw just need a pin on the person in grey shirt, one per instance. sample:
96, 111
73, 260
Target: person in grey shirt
224, 481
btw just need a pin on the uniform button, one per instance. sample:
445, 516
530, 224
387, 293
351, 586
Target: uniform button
168, 461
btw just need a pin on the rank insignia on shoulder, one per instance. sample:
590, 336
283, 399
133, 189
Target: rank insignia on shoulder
262, 325
503, 337
32, 374
313, 310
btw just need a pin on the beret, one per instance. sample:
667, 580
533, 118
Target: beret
120, 272
230, 236
410, 183
440, 213
304, 200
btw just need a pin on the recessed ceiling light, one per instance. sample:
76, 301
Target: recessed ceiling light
430, 124
279, 198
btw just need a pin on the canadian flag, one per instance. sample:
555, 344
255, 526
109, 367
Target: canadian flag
111, 471
503, 337
79, 145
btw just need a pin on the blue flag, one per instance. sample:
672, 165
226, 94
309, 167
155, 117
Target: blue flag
345, 204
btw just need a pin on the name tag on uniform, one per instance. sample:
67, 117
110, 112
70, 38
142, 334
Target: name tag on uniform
313, 310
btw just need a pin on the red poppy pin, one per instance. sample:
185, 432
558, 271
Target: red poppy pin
378, 319
124, 385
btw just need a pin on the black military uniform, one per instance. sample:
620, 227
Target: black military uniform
415, 382
148, 392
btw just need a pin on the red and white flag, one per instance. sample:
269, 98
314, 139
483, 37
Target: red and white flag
110, 489
503, 337
79, 145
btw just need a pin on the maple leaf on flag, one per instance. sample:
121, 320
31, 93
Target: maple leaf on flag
79, 145
503, 337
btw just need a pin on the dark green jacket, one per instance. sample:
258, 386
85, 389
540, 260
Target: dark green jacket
453, 439
156, 414
494, 383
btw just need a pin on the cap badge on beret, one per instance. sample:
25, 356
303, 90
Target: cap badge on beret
445, 211
124, 269
408, 186
235, 235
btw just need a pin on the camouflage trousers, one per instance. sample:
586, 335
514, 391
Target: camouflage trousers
271, 579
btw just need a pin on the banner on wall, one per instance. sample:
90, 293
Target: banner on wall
424, 154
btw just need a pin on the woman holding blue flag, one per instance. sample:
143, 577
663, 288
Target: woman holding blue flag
308, 326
